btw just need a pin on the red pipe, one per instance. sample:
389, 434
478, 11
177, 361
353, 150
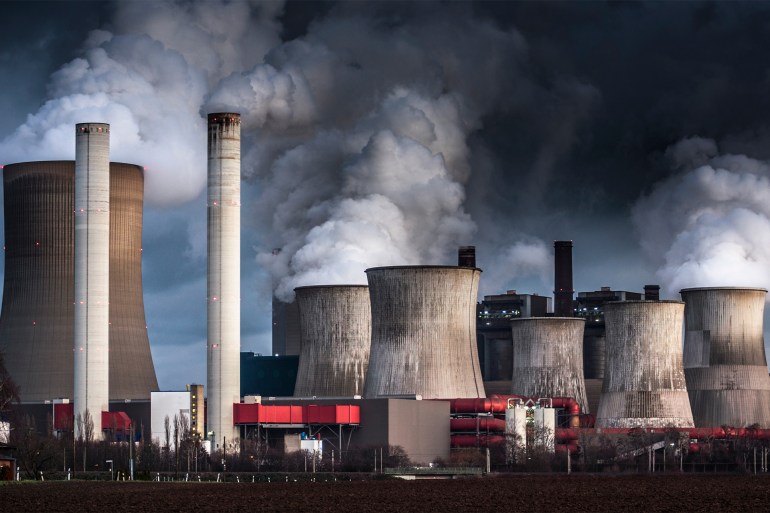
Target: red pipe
475, 441
477, 423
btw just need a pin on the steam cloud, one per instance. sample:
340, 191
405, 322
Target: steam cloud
356, 135
710, 225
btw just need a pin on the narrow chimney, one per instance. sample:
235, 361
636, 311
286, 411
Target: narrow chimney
652, 292
466, 256
224, 275
563, 292
92, 275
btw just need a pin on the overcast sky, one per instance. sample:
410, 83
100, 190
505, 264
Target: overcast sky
386, 133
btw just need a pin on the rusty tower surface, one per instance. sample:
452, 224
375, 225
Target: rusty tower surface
335, 327
423, 332
548, 358
724, 356
644, 383
36, 323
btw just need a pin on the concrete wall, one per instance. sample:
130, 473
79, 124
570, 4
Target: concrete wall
335, 326
424, 332
724, 357
644, 384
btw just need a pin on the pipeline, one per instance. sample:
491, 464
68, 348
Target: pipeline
465, 441
693, 433
477, 424
497, 404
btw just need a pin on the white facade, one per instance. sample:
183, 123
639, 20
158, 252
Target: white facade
224, 275
171, 405
92, 272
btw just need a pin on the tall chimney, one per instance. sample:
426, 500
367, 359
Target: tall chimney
652, 292
92, 275
562, 282
224, 275
466, 256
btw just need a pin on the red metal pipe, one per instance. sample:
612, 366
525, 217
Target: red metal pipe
476, 441
477, 423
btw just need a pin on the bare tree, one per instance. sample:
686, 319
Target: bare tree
9, 392
167, 446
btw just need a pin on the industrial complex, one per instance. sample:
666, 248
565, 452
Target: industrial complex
412, 359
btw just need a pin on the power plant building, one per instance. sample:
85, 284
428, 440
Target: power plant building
335, 323
38, 311
644, 383
423, 332
224, 274
724, 357
548, 358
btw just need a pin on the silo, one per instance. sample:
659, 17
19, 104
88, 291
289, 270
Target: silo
224, 274
37, 319
548, 358
644, 383
335, 337
423, 332
724, 357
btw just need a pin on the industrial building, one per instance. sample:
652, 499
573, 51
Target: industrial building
336, 325
724, 357
423, 332
38, 312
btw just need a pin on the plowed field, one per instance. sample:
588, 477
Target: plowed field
594, 493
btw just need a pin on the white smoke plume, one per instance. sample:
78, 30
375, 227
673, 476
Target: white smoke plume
148, 77
710, 225
355, 135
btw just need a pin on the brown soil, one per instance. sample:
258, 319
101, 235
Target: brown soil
517, 493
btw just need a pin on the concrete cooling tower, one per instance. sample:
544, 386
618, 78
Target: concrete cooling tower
644, 383
37, 318
724, 357
335, 331
548, 358
423, 332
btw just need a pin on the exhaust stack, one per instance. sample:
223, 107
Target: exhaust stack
92, 275
562, 282
224, 275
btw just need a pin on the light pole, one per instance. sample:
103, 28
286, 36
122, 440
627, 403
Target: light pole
110, 462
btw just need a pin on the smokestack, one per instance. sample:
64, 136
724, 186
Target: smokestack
652, 292
562, 282
224, 274
466, 256
92, 273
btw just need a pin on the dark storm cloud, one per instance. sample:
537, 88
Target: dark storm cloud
389, 132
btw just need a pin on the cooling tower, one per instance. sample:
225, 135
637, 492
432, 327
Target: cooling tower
644, 382
224, 274
724, 357
562, 282
548, 358
37, 319
335, 337
423, 332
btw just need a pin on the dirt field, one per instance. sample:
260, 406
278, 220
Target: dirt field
504, 494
